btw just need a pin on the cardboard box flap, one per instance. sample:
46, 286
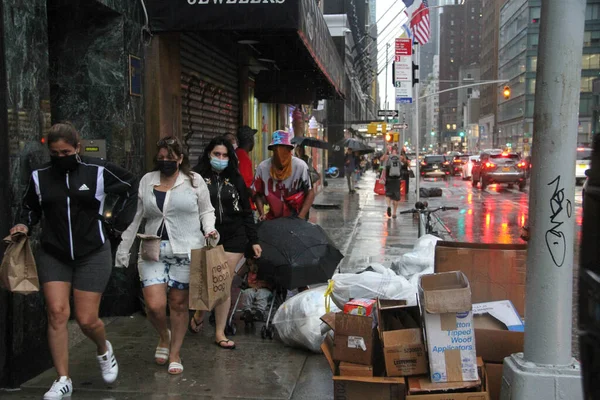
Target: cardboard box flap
347, 324
503, 311
327, 348
368, 379
447, 292
329, 319
395, 338
423, 385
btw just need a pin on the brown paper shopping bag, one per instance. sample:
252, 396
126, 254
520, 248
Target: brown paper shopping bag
18, 272
210, 278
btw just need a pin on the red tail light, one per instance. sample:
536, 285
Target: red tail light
490, 165
521, 165
446, 163
423, 163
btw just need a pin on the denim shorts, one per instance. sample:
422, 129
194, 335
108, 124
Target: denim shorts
174, 270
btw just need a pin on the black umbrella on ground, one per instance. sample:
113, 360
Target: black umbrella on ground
310, 142
296, 253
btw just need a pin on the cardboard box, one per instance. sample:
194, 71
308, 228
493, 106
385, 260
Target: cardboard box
402, 338
494, 378
495, 271
360, 388
364, 307
445, 302
350, 369
421, 388
354, 339
498, 330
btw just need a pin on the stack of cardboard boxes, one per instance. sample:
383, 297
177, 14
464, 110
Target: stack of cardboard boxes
446, 348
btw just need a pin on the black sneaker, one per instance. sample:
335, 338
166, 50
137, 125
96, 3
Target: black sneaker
389, 211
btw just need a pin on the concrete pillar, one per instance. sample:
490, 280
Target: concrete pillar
546, 369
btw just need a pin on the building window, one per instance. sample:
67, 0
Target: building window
451, 41
452, 22
532, 64
590, 61
534, 13
586, 84
531, 86
592, 11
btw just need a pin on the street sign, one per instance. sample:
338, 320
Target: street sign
387, 113
400, 126
403, 47
456, 138
404, 93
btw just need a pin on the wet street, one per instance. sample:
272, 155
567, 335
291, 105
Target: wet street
258, 368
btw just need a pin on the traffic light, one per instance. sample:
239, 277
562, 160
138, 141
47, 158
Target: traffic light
383, 128
396, 137
461, 134
506, 92
415, 73
388, 137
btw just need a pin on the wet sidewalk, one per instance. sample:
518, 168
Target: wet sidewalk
257, 369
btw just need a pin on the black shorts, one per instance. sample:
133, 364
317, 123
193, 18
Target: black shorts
392, 188
88, 274
233, 237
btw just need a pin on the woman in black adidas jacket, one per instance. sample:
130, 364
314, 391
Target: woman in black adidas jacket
69, 193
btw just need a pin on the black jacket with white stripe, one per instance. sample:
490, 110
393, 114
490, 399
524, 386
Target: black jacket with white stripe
72, 205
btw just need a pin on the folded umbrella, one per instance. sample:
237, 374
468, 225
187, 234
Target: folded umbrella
296, 253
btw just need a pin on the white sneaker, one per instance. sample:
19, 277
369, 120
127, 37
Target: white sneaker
108, 365
60, 389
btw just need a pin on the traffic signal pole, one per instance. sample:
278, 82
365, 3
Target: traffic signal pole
546, 369
417, 144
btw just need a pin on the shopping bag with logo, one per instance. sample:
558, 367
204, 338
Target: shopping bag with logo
18, 272
379, 188
210, 278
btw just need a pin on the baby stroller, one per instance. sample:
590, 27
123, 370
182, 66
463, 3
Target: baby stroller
278, 296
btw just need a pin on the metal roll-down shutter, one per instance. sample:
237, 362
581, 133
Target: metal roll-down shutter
209, 93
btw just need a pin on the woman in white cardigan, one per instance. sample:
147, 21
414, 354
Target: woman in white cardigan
175, 203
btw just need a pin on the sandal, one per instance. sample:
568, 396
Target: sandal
161, 354
176, 368
220, 344
195, 326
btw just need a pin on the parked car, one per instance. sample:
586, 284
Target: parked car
435, 166
584, 156
458, 162
467, 167
506, 168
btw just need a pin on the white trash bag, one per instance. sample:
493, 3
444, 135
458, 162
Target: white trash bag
419, 260
298, 320
371, 285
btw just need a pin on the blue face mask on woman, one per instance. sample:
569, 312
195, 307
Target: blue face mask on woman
218, 164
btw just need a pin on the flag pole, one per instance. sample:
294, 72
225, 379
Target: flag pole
417, 165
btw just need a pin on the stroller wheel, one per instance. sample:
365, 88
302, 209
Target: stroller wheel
270, 332
263, 332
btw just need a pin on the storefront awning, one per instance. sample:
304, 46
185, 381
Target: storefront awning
292, 34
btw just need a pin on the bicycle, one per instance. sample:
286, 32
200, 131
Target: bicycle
425, 221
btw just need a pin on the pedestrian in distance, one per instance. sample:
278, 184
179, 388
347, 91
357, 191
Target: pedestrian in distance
391, 176
75, 252
349, 168
405, 170
282, 182
234, 221
245, 138
175, 204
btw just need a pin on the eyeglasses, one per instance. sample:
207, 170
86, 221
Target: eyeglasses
166, 142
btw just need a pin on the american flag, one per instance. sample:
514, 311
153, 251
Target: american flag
418, 12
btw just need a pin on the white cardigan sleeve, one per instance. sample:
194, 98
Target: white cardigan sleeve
205, 208
128, 236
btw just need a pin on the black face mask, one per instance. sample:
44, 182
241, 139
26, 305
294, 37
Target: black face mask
167, 167
64, 164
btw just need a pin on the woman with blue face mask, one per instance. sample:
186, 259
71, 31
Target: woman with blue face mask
235, 222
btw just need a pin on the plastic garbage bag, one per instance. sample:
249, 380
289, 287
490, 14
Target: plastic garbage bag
419, 260
372, 285
298, 319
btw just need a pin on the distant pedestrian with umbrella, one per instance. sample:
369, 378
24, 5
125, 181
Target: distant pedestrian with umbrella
349, 168
282, 182
234, 222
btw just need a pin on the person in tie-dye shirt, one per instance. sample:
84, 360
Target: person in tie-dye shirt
282, 182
